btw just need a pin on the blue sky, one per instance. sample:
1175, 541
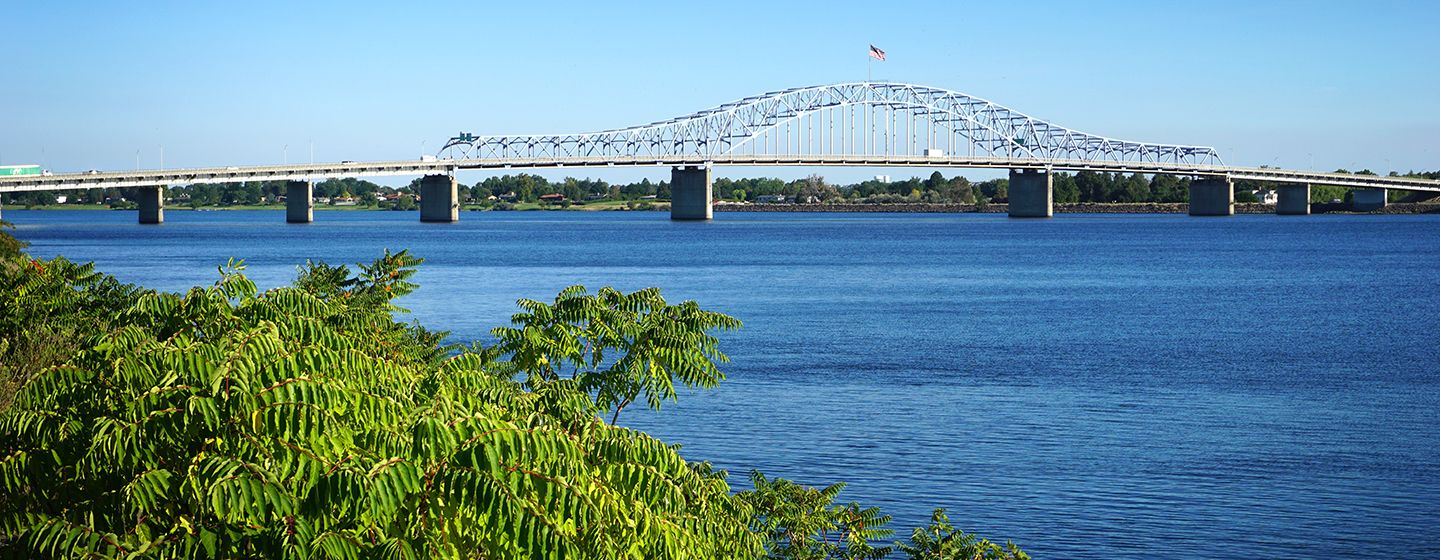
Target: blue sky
87, 84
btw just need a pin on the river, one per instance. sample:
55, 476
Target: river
1090, 386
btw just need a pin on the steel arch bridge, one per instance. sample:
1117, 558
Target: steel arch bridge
841, 121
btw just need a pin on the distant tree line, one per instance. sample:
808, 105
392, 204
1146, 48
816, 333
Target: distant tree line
1085, 186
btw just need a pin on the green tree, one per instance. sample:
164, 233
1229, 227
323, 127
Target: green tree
1167, 188
9, 246
656, 344
1136, 189
941, 541
305, 422
1065, 189
958, 190
802, 523
936, 182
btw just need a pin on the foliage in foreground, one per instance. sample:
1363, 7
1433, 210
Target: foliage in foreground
304, 422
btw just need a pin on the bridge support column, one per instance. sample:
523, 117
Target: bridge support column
1366, 200
152, 204
690, 193
1031, 193
299, 202
439, 199
1212, 196
1294, 200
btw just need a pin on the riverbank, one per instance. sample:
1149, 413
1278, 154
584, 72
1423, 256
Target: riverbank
1066, 208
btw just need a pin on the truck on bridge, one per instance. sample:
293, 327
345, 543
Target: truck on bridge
14, 170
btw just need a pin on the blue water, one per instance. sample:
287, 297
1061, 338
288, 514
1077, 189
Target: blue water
1089, 386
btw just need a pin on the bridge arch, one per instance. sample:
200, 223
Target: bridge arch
840, 120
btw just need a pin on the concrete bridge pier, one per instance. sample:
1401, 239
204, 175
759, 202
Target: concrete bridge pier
1032, 193
1212, 196
152, 204
1366, 200
299, 202
690, 193
1294, 200
439, 199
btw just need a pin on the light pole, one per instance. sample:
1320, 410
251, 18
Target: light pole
285, 154
137, 159
162, 158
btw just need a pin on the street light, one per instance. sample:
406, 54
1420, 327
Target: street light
285, 154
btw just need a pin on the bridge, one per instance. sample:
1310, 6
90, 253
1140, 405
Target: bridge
867, 124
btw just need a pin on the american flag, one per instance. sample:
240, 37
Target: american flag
876, 54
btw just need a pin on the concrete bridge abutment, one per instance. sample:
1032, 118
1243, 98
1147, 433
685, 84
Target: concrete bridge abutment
152, 204
299, 202
439, 199
1367, 200
1212, 196
1293, 200
690, 193
1032, 193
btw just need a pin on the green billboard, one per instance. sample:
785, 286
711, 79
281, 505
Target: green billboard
9, 170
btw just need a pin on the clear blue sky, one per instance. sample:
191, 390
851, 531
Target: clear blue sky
87, 84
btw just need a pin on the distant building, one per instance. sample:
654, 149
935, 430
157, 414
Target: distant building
552, 197
772, 199
882, 178
1267, 196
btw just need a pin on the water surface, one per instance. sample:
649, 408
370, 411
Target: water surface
1116, 386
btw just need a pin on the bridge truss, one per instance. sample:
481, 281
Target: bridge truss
841, 121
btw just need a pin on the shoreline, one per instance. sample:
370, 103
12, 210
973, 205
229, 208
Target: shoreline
902, 208
1069, 208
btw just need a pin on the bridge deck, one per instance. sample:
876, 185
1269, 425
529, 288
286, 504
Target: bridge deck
70, 181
